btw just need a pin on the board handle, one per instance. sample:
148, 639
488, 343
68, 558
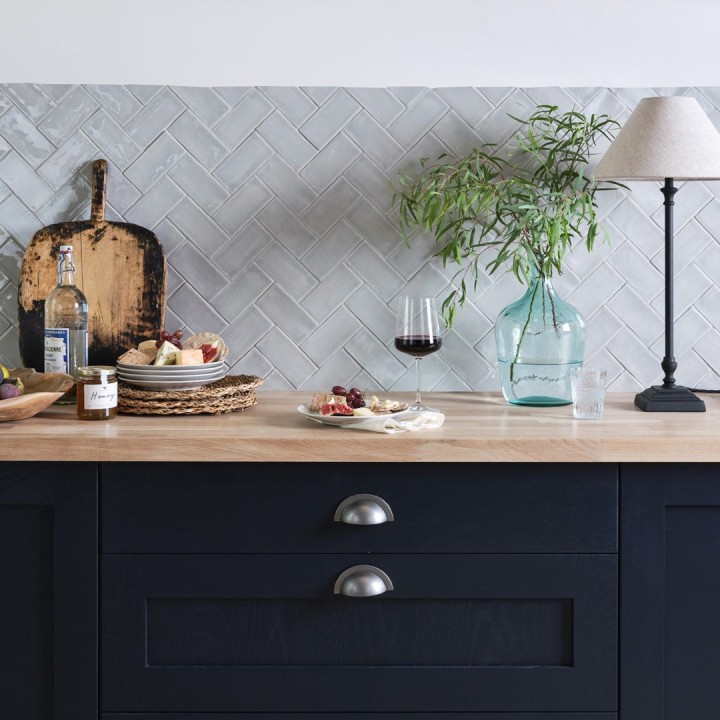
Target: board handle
99, 181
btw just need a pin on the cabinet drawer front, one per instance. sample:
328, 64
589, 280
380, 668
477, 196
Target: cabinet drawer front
460, 633
276, 508
360, 716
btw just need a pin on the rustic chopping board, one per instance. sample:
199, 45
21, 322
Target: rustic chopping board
119, 267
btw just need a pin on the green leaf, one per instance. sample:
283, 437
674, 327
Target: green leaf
528, 207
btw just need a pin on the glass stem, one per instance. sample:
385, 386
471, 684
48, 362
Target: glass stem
418, 401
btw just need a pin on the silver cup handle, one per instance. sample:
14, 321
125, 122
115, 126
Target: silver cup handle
364, 509
362, 581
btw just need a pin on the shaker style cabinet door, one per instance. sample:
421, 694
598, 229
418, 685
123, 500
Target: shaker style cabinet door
317, 634
670, 600
48, 591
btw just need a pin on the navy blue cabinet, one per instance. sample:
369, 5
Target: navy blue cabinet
218, 591
670, 651
48, 591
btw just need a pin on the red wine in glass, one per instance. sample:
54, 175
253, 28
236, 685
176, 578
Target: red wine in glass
418, 345
417, 333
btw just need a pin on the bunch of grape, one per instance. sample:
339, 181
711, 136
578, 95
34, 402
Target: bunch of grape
173, 339
355, 398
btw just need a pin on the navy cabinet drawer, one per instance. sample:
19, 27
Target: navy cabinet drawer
277, 508
458, 633
360, 716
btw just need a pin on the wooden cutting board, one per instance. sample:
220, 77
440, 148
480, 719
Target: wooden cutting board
121, 269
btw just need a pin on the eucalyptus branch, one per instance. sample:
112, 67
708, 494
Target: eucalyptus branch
530, 207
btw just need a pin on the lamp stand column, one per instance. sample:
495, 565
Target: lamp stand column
669, 397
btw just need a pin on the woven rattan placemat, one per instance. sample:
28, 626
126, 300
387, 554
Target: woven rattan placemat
233, 392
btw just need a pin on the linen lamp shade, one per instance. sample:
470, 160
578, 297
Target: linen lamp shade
665, 137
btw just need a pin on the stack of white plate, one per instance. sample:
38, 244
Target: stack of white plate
171, 377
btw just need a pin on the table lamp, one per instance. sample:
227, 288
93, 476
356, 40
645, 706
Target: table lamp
665, 139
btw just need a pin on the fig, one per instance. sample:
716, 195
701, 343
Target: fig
342, 409
210, 351
8, 390
17, 382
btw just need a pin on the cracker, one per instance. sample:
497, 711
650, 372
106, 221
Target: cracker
320, 399
135, 357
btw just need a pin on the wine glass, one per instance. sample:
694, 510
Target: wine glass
417, 333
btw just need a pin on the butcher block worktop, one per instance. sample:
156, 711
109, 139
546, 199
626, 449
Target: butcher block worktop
479, 427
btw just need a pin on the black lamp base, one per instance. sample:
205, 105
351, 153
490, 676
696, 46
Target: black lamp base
673, 399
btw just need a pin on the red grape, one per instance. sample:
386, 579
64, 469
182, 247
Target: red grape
339, 390
354, 392
174, 339
356, 402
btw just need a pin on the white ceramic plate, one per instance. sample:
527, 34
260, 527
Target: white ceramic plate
344, 419
169, 368
171, 384
173, 376
189, 375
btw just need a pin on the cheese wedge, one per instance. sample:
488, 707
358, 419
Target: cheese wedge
166, 354
363, 412
188, 357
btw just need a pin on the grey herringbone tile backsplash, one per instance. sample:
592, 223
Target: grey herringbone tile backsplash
275, 210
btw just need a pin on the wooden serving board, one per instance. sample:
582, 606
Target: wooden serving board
119, 267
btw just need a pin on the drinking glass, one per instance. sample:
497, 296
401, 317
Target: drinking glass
417, 333
588, 392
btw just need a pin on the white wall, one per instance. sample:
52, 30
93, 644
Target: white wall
362, 42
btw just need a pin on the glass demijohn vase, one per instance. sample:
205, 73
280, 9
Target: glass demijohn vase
540, 338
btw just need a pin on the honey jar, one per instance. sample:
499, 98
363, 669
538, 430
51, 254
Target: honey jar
97, 392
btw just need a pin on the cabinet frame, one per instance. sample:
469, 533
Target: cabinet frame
650, 493
69, 491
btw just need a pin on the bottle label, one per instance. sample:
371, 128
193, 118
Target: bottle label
57, 341
100, 397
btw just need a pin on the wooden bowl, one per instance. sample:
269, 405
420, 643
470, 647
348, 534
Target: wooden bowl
41, 391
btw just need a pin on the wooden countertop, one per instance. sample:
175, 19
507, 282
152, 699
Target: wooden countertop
479, 427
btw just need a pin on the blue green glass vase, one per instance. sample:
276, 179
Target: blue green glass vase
540, 338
